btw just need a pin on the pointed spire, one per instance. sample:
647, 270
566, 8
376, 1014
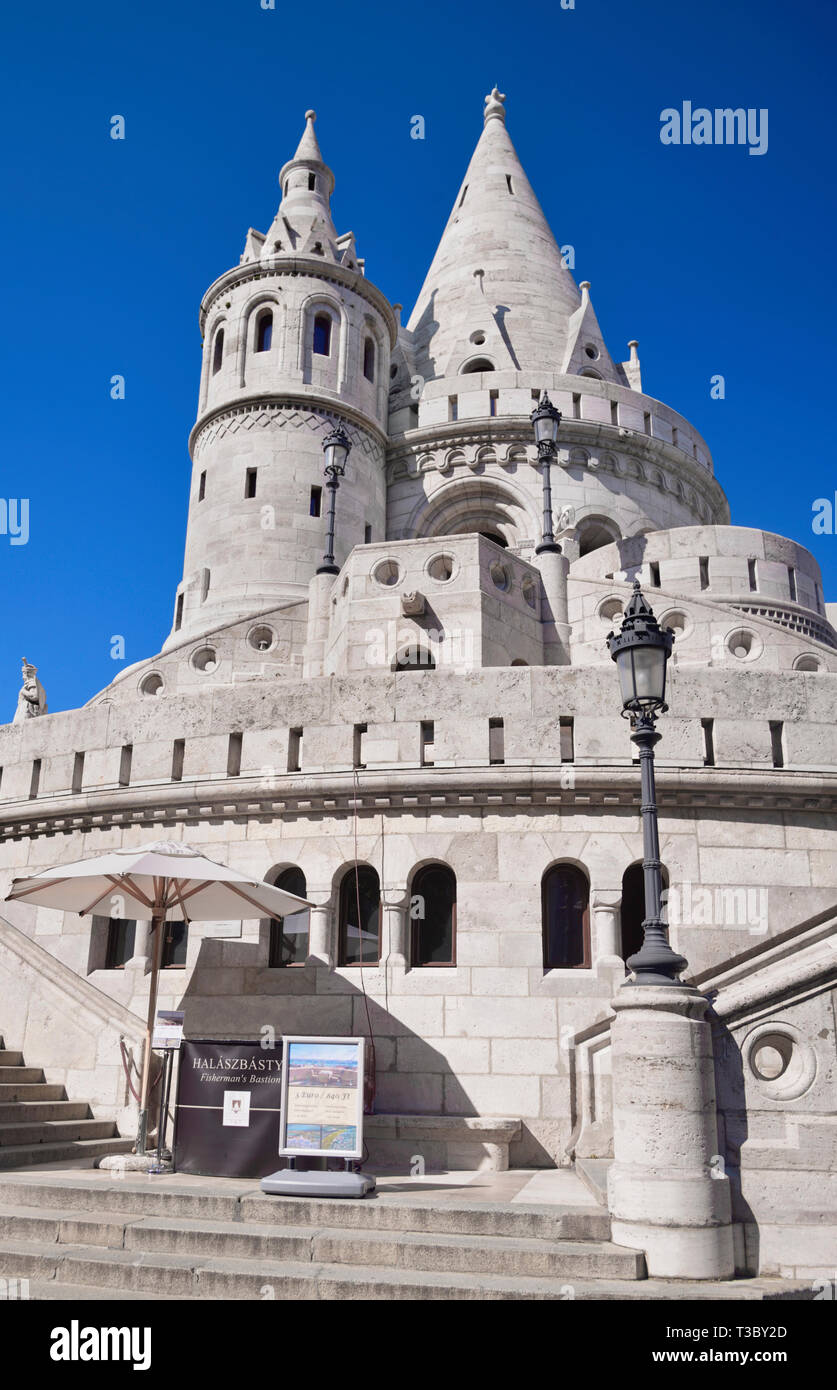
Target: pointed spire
497, 228
303, 225
586, 350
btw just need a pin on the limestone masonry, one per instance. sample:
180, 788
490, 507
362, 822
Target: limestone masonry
444, 713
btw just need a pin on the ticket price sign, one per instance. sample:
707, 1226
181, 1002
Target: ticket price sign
322, 1097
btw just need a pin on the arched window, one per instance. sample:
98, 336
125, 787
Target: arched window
264, 330
369, 359
633, 907
218, 351
359, 933
322, 335
433, 916
414, 658
478, 364
593, 535
289, 934
566, 918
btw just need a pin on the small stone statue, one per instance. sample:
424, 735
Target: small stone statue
32, 699
566, 520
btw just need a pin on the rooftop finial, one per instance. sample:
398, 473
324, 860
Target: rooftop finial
494, 106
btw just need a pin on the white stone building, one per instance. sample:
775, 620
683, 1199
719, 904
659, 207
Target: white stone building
444, 713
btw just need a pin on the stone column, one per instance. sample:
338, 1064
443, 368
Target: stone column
319, 597
664, 1195
395, 945
320, 948
606, 910
556, 629
140, 960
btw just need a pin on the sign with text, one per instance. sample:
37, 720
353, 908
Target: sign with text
227, 1112
322, 1097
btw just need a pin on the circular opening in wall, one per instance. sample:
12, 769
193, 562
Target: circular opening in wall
478, 364
611, 608
386, 573
591, 351
782, 1063
261, 638
678, 621
500, 577
743, 644
441, 568
530, 593
152, 684
205, 659
807, 663
478, 339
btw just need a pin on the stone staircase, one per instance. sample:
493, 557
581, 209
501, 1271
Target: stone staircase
162, 1238
38, 1124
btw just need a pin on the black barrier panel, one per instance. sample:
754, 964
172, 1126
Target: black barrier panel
227, 1112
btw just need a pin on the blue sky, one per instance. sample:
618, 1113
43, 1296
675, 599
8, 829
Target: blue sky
715, 260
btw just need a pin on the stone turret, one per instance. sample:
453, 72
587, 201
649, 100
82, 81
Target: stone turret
295, 341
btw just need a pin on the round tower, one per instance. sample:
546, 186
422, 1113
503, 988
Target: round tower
295, 342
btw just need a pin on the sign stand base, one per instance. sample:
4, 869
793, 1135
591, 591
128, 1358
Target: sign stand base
290, 1182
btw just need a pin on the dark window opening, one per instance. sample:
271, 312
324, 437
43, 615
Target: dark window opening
264, 331
234, 755
633, 907
218, 353
369, 359
647, 421
576, 407
202, 487
120, 943
566, 919
178, 613
708, 726
792, 583
78, 773
703, 563
312, 182
316, 501
427, 734
493, 397
777, 742
462, 199
35, 780
175, 941
414, 658
357, 750
433, 916
294, 750
178, 754
751, 575
614, 412
125, 760
322, 335
250, 482
509, 184
359, 940
289, 934
367, 534
654, 569
479, 364
453, 407
495, 537
496, 741
567, 736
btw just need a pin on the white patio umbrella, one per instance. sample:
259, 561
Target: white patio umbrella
165, 881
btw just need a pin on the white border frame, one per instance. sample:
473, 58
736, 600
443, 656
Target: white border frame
357, 1152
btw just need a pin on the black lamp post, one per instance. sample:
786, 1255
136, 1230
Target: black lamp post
336, 447
641, 650
545, 421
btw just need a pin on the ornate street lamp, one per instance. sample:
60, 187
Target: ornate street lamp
545, 421
336, 447
641, 650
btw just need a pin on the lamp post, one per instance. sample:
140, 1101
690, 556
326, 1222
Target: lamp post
641, 650
545, 422
336, 447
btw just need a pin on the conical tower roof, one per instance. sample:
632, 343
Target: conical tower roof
303, 225
497, 287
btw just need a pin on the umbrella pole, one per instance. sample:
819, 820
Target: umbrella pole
158, 922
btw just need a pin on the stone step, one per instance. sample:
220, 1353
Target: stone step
23, 1155
53, 1289
10, 1076
10, 1059
53, 1131
37, 1090
304, 1244
462, 1217
121, 1273
12, 1112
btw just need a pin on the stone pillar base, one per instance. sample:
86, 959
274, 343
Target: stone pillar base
664, 1193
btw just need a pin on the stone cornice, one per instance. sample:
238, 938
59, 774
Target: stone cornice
694, 790
516, 429
313, 266
318, 403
